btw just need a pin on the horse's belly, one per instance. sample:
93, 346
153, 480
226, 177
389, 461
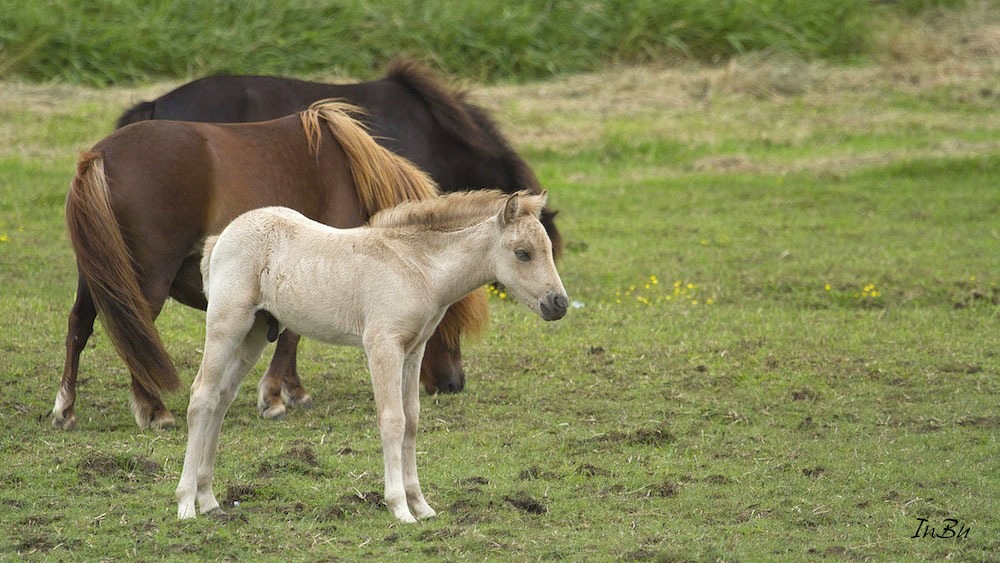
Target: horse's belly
335, 337
319, 321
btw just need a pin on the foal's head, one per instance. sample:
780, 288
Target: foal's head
524, 263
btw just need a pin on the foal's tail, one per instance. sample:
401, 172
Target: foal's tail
384, 179
106, 265
206, 259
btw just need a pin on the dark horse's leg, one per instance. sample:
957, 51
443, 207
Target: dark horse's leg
281, 382
81, 326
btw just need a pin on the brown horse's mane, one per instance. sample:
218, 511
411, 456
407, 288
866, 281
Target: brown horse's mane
380, 177
453, 211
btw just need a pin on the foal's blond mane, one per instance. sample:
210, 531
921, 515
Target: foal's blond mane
454, 211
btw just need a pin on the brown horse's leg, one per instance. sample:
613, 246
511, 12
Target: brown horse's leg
147, 407
281, 382
81, 326
149, 410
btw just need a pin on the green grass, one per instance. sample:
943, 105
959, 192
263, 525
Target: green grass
769, 407
104, 42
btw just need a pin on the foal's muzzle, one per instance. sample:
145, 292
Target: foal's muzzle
554, 306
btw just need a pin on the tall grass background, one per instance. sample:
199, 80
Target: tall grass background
104, 42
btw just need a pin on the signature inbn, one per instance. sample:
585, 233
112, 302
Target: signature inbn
949, 531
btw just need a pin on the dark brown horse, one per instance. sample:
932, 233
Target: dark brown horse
144, 199
408, 112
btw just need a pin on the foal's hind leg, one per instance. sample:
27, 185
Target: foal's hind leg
226, 363
81, 326
280, 386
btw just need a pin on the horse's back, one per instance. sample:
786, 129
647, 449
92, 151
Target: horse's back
225, 169
235, 99
157, 165
302, 272
243, 99
398, 116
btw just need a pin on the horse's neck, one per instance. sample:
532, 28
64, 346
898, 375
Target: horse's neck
460, 261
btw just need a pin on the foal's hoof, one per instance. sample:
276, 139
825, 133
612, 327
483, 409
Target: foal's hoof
405, 518
424, 513
62, 421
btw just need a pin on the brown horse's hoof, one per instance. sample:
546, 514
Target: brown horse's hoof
163, 422
305, 401
64, 421
149, 416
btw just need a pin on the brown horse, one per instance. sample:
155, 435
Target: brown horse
409, 112
144, 199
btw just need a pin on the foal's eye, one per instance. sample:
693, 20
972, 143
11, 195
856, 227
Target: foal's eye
522, 255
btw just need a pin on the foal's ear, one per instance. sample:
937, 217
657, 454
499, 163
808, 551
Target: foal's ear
510, 208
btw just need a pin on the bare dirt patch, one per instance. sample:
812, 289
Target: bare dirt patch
589, 470
236, 494
535, 472
299, 459
118, 467
648, 436
353, 503
526, 503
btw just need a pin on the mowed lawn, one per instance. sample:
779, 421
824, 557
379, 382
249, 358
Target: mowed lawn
783, 342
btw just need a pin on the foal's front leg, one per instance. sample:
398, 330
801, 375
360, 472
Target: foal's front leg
411, 409
385, 362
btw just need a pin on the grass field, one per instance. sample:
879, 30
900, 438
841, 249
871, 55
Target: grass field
102, 42
784, 342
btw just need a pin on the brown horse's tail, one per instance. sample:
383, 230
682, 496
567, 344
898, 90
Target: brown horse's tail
384, 179
106, 265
